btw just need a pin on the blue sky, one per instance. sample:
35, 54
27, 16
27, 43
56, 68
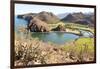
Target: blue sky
28, 8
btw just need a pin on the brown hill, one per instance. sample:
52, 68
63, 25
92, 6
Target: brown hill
74, 17
47, 17
80, 18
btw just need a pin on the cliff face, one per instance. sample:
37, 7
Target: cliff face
37, 25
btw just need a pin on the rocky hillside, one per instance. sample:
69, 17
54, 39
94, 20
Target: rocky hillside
36, 25
80, 18
47, 17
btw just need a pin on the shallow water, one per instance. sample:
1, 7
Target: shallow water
55, 37
19, 23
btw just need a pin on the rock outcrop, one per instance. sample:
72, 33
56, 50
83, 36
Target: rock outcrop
36, 25
59, 28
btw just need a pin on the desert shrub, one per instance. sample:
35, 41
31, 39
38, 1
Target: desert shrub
82, 49
28, 52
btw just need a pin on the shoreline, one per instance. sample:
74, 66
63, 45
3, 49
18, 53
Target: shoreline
70, 31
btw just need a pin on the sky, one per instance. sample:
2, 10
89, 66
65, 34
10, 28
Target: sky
29, 8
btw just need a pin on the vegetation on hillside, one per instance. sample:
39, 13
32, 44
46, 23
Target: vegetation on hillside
30, 51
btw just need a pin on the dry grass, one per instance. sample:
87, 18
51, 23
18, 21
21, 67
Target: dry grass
31, 51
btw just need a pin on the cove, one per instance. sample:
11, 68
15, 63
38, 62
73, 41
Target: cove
55, 37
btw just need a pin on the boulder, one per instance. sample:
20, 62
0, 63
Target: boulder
36, 25
59, 28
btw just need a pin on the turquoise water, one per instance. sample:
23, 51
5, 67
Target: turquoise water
19, 23
55, 37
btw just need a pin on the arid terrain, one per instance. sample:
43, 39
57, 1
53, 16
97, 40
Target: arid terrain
31, 50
